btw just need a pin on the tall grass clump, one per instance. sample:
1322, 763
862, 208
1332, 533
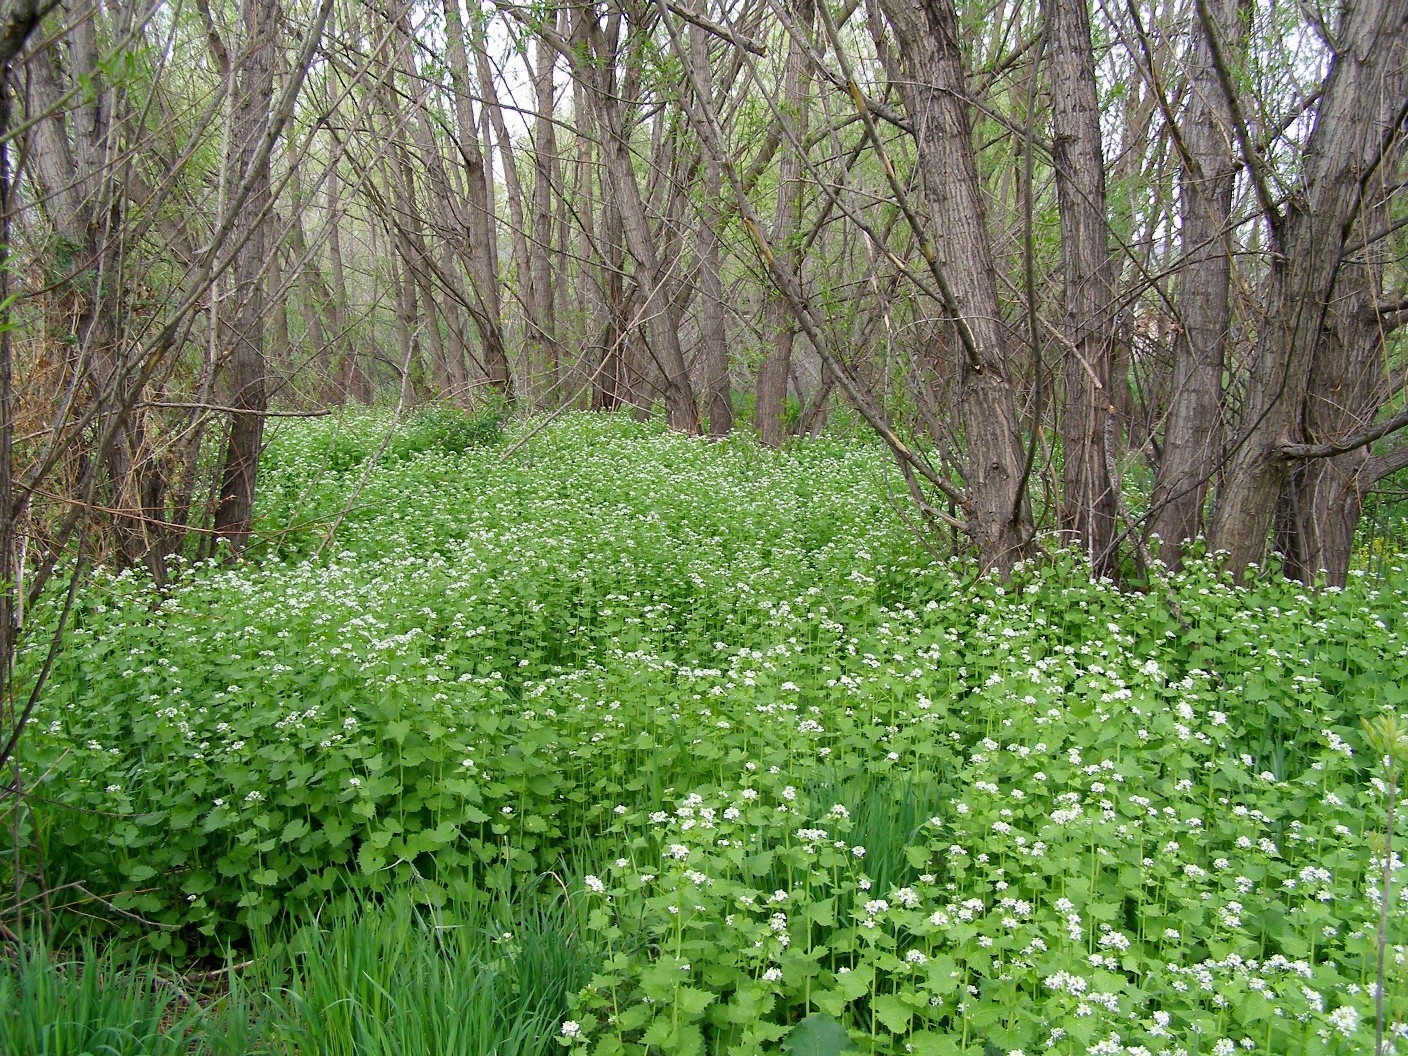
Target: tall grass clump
369, 979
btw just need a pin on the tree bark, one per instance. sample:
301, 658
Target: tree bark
1361, 113
932, 83
477, 241
780, 326
244, 329
1322, 500
712, 324
1089, 503
541, 327
655, 278
1193, 429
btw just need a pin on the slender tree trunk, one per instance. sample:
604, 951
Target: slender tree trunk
771, 403
478, 241
712, 323
244, 329
542, 329
655, 279
1193, 431
513, 188
1089, 503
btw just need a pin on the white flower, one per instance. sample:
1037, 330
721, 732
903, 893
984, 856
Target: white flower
571, 1029
1345, 1019
772, 975
593, 883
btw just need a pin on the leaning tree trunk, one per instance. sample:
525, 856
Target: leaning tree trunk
244, 330
934, 86
1088, 503
1362, 110
1193, 429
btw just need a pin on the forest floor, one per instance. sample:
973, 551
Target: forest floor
616, 741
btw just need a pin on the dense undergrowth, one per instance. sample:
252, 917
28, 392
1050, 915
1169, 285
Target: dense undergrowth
785, 780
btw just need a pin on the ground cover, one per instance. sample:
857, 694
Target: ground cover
788, 780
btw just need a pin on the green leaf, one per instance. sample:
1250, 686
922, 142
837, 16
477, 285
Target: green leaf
855, 983
817, 1035
693, 1001
293, 830
892, 1012
369, 859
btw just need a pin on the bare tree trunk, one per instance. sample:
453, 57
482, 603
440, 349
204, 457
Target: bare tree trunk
513, 189
712, 325
655, 277
73, 158
1088, 503
479, 214
1323, 498
933, 85
541, 326
1361, 112
780, 325
244, 331
346, 377
1193, 431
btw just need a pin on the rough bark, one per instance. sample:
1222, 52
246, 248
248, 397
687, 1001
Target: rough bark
244, 329
1323, 498
1193, 428
74, 142
1361, 112
779, 324
1089, 503
932, 83
476, 244
712, 325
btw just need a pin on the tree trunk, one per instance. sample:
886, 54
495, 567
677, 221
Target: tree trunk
541, 327
1360, 115
933, 85
781, 327
1323, 498
1193, 430
478, 239
244, 330
1089, 505
712, 326
655, 279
